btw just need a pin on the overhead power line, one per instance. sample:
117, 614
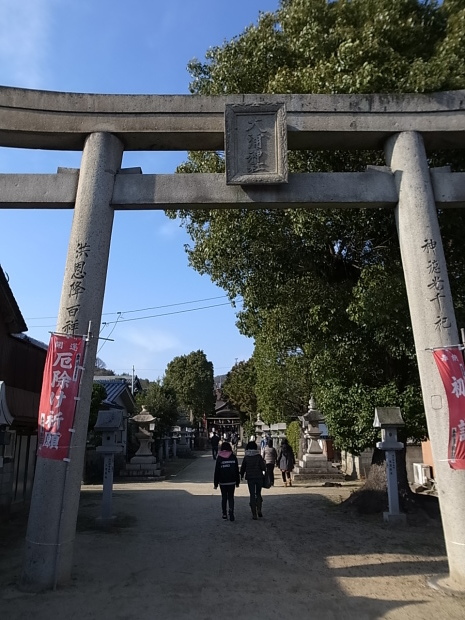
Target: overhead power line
181, 303
153, 316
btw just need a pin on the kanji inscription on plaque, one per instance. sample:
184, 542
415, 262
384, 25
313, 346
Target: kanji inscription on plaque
255, 144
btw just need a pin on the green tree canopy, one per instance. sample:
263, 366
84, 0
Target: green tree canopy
161, 402
191, 379
323, 291
283, 386
98, 396
239, 388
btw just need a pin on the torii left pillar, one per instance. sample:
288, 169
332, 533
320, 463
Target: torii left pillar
55, 497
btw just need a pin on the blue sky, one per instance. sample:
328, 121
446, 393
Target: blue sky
138, 47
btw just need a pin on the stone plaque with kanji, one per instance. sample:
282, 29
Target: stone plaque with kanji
255, 144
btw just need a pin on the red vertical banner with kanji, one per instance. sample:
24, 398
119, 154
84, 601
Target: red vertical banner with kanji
451, 367
60, 390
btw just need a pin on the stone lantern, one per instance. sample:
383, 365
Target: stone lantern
146, 423
314, 464
261, 429
143, 464
310, 423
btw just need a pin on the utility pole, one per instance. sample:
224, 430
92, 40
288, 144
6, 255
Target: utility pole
132, 382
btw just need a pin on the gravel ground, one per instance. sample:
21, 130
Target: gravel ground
171, 556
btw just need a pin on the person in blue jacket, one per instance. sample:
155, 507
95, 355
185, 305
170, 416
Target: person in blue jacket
227, 477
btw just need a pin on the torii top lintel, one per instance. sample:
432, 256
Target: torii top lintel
60, 120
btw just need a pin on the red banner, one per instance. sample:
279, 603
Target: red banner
451, 367
60, 389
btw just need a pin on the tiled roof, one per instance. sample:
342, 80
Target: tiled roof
33, 341
116, 388
127, 378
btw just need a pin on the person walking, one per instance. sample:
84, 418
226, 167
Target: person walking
270, 456
215, 440
286, 462
264, 443
253, 468
234, 442
227, 476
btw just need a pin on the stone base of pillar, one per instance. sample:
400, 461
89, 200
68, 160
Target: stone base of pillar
316, 467
141, 470
105, 524
143, 460
444, 585
397, 520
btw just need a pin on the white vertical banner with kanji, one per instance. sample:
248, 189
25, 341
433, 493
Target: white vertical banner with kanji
451, 367
60, 390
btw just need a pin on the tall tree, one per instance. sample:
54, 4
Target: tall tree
100, 369
162, 403
323, 290
239, 388
191, 378
283, 387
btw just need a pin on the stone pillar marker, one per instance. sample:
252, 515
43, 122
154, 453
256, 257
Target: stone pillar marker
433, 323
109, 422
166, 443
389, 419
55, 498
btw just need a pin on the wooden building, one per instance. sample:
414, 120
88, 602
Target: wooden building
22, 361
225, 419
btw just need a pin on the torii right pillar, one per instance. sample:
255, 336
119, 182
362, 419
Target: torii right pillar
434, 326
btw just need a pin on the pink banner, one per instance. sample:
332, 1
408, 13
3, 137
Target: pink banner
451, 367
60, 389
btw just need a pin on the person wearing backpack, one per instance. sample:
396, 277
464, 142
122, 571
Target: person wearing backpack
253, 468
227, 477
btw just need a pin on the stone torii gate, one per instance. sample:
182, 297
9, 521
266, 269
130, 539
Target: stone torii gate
255, 131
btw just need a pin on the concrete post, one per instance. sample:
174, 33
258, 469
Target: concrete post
107, 494
55, 498
433, 323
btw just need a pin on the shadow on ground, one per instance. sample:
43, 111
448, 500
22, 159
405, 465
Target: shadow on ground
170, 555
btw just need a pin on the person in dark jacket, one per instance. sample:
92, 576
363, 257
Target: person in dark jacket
286, 462
253, 467
215, 440
227, 476
270, 456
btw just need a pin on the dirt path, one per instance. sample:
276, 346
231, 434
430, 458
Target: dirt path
173, 557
